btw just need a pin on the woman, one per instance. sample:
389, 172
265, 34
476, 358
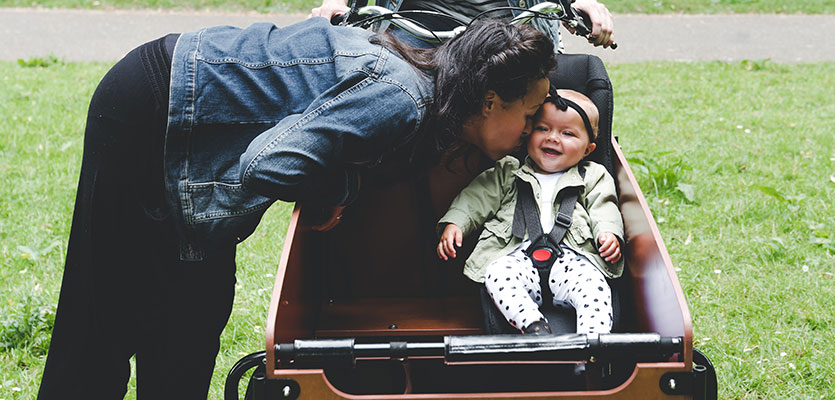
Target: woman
190, 139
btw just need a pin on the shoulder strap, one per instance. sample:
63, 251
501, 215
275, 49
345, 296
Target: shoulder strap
562, 221
526, 215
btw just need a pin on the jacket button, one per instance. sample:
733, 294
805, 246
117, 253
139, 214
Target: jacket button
522, 3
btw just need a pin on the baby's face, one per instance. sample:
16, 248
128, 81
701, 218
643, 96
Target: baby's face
558, 140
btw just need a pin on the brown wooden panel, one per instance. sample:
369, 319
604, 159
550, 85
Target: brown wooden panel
643, 384
385, 244
658, 301
295, 299
400, 317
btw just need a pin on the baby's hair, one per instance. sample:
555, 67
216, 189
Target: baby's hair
565, 98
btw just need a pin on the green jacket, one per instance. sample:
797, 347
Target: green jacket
490, 201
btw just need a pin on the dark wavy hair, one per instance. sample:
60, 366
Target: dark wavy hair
488, 55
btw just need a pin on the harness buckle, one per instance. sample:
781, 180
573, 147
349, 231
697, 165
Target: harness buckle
563, 220
542, 254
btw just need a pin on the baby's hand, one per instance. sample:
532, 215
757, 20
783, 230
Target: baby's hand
609, 247
450, 239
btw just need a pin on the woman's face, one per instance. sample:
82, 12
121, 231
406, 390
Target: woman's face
499, 131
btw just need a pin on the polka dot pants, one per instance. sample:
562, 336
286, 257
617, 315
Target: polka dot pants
513, 284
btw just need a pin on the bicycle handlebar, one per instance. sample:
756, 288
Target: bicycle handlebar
639, 347
367, 15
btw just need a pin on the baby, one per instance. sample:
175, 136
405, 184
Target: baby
504, 258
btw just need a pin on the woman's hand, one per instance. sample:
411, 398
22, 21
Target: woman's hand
450, 239
329, 8
603, 23
334, 217
609, 247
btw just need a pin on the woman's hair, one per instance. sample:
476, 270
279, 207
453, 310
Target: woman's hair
488, 55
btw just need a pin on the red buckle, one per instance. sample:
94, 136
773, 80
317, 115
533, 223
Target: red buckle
541, 254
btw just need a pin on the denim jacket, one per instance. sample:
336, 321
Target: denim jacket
548, 27
267, 113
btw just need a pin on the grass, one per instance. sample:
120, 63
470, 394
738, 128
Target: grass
43, 107
304, 6
756, 243
737, 161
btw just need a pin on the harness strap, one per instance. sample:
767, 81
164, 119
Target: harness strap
563, 219
526, 217
526, 214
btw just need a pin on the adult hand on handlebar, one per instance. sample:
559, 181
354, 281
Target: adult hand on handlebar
603, 23
329, 8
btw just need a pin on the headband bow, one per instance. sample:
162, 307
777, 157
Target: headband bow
563, 104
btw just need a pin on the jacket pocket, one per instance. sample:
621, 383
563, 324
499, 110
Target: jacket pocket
500, 229
212, 200
222, 213
580, 234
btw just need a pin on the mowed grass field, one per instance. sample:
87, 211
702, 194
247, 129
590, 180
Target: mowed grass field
737, 161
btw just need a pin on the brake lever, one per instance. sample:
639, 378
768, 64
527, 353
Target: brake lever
339, 19
349, 17
581, 23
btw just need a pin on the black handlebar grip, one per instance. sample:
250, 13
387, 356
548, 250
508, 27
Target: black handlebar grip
337, 19
584, 27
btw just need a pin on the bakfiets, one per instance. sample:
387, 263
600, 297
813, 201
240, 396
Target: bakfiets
359, 315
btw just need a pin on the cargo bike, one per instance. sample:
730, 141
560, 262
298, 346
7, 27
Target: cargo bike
359, 315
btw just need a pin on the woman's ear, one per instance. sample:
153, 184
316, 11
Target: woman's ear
489, 102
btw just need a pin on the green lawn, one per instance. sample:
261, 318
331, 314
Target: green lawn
737, 161
304, 6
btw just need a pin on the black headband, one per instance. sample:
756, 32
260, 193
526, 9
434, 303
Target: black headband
563, 104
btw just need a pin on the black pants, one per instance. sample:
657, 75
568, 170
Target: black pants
125, 291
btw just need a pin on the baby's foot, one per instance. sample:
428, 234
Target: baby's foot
538, 328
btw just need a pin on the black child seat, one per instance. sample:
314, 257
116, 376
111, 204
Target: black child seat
585, 74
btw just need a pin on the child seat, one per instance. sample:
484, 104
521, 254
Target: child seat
585, 74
